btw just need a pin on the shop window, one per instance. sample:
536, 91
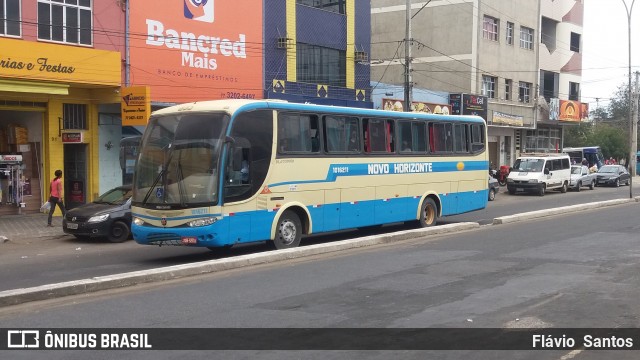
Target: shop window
10, 17
74, 116
68, 22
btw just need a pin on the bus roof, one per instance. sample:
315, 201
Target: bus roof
582, 148
233, 106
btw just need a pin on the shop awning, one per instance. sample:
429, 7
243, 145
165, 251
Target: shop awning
33, 87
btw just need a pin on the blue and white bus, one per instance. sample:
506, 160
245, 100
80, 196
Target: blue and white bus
593, 154
219, 173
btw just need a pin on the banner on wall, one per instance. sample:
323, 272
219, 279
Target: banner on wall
29, 60
135, 105
467, 104
197, 50
417, 106
500, 118
77, 191
570, 111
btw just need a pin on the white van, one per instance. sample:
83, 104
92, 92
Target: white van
539, 173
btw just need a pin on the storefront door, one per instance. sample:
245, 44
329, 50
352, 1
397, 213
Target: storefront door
75, 175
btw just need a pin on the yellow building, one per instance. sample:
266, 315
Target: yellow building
53, 100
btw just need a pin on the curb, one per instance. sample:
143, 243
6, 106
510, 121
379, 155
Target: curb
561, 210
84, 286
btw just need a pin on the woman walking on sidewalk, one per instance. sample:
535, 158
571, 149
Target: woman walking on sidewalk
56, 196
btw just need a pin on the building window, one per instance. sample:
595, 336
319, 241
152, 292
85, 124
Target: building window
490, 28
524, 95
489, 86
510, 33
574, 91
526, 38
575, 42
542, 140
321, 65
10, 17
74, 116
337, 6
508, 84
68, 23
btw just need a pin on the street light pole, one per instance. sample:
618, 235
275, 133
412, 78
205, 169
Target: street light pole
632, 125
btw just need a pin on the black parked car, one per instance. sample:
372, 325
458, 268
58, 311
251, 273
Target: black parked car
494, 187
613, 175
109, 216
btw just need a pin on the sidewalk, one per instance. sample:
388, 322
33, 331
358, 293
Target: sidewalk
14, 227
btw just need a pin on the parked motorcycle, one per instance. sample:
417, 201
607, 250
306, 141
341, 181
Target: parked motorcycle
500, 175
503, 174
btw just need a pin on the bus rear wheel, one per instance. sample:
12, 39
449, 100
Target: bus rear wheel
288, 231
428, 213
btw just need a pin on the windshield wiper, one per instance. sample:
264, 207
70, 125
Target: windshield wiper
157, 179
181, 190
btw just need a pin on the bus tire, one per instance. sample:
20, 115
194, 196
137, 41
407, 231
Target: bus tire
428, 213
563, 189
288, 231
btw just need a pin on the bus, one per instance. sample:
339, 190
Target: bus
224, 172
593, 154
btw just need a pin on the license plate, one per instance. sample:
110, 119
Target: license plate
519, 189
189, 240
72, 226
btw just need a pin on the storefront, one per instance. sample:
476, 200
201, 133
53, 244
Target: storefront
50, 101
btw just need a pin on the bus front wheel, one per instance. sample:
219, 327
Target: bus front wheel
288, 231
428, 213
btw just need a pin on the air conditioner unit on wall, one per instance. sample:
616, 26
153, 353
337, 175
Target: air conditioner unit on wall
284, 43
361, 56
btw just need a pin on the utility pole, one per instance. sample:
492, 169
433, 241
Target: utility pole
407, 61
634, 128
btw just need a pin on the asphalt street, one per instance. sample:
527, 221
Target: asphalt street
37, 255
578, 269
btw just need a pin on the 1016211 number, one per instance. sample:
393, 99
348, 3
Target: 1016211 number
237, 95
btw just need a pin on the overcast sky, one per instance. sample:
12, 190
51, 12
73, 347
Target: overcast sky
605, 58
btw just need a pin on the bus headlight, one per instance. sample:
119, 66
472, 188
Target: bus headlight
138, 221
99, 218
534, 181
202, 222
509, 180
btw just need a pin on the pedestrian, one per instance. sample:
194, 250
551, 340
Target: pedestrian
57, 194
585, 162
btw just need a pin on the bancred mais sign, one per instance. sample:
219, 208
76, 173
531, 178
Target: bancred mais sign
188, 50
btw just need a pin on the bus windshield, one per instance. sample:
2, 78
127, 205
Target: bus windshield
178, 163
